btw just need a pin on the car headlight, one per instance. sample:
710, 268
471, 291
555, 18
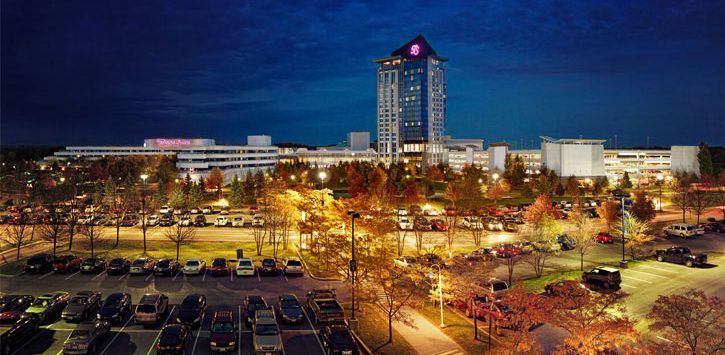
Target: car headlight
231, 343
98, 316
213, 343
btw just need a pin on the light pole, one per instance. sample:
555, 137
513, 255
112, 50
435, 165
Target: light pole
495, 181
624, 230
143, 209
660, 177
440, 291
353, 262
322, 175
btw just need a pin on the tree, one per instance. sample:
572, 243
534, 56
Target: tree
699, 200
196, 194
93, 232
215, 180
636, 234
705, 160
177, 199
544, 228
527, 310
53, 231
543, 186
720, 187
626, 183
608, 213
180, 235
572, 186
596, 322
681, 195
396, 289
236, 193
434, 173
16, 235
355, 181
453, 194
584, 235
560, 190
599, 185
643, 207
250, 191
693, 322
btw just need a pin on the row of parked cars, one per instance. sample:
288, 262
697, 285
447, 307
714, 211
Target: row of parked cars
200, 220
22, 315
42, 263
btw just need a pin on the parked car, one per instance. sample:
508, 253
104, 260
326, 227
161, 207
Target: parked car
207, 210
474, 305
495, 288
152, 221
166, 267
151, 309
200, 220
506, 250
337, 339
269, 267
178, 211
510, 226
485, 253
493, 224
224, 333
607, 277
173, 339
237, 221
430, 211
167, 220
67, 263
604, 238
221, 221
439, 225
93, 265
422, 224
472, 222
185, 221
115, 307
684, 230
404, 223
293, 266
429, 259
15, 303
245, 267
265, 333
715, 227
402, 211
681, 255
406, 262
525, 246
195, 210
565, 242
194, 266
290, 309
547, 246
14, 333
253, 209
39, 264
257, 220
251, 305
219, 267
86, 337
118, 266
192, 310
142, 266
164, 209
225, 210
83, 305
49, 305
129, 220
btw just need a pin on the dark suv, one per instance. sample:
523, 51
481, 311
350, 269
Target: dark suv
269, 267
93, 265
607, 277
39, 263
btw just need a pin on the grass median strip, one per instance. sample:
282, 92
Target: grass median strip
457, 327
373, 330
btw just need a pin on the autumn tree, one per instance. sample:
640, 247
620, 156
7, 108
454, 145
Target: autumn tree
700, 200
527, 310
636, 234
434, 173
584, 235
355, 181
625, 183
572, 186
413, 195
180, 235
693, 322
544, 227
543, 186
215, 180
681, 195
454, 195
596, 322
608, 213
643, 207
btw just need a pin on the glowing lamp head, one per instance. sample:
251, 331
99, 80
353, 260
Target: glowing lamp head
660, 177
144, 177
494, 176
322, 175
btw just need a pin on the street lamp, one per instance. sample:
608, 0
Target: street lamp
440, 290
494, 177
353, 266
292, 177
660, 177
143, 209
322, 175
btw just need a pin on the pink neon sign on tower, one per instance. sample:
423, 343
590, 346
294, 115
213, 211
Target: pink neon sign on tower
415, 49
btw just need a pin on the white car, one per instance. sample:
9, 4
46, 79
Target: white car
472, 223
405, 224
221, 221
257, 220
431, 212
153, 220
406, 261
293, 266
245, 267
402, 211
237, 221
207, 210
195, 210
185, 221
164, 209
684, 230
194, 267
178, 211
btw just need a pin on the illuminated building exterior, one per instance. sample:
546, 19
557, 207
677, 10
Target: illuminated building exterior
196, 157
411, 105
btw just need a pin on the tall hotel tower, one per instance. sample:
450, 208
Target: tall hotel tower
411, 104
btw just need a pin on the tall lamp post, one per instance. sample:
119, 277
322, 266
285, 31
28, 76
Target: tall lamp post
495, 181
624, 230
353, 265
143, 209
660, 177
440, 291
322, 175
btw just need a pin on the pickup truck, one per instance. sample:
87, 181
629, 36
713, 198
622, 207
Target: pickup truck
681, 255
323, 304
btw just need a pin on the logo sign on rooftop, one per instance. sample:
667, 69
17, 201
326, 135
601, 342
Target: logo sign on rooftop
164, 142
415, 49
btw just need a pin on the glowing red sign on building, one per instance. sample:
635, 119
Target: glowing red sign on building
415, 49
163, 142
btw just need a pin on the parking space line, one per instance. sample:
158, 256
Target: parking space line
634, 278
176, 275
74, 274
239, 337
647, 273
285, 276
99, 275
148, 277
317, 337
117, 334
258, 277
231, 276
198, 332
44, 276
123, 276
153, 343
625, 285
659, 269
204, 276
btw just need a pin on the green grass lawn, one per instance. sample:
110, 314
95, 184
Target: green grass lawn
315, 267
537, 284
457, 327
373, 329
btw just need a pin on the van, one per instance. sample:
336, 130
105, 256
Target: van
607, 277
684, 230
151, 308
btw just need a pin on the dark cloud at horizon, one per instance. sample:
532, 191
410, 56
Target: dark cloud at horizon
108, 72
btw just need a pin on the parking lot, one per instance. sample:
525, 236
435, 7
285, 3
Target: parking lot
223, 293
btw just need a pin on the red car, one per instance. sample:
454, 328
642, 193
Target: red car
219, 267
439, 225
223, 335
474, 305
604, 238
67, 263
506, 250
450, 211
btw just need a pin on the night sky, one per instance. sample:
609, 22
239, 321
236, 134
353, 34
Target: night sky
116, 72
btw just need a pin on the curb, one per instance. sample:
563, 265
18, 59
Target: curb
364, 347
308, 269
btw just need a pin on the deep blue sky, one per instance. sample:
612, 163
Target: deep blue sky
115, 72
